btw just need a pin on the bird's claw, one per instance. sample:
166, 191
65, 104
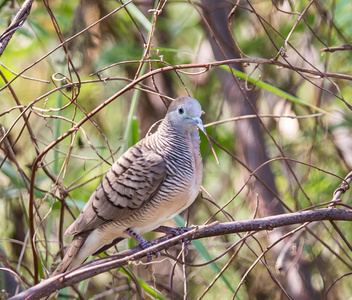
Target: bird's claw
176, 232
145, 245
179, 230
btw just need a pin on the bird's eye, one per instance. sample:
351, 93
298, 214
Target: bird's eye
181, 110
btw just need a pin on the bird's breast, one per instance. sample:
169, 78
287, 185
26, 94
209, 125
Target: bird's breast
179, 189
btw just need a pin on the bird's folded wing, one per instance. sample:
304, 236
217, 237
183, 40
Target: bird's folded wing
130, 183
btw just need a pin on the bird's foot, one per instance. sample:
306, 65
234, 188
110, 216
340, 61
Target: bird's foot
172, 230
143, 243
176, 231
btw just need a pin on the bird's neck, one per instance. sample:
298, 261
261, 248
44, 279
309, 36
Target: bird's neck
175, 137
166, 128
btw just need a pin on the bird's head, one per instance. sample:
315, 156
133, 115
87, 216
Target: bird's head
184, 114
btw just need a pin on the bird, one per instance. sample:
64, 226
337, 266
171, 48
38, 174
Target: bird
153, 181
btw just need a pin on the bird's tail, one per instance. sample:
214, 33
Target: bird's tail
71, 258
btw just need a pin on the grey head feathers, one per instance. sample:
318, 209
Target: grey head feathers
184, 114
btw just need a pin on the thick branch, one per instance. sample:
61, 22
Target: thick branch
99, 266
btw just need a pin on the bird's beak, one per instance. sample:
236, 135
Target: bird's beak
199, 123
201, 127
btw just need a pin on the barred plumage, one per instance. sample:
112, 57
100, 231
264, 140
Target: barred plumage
150, 183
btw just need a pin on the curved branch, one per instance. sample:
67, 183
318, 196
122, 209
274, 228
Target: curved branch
16, 23
120, 259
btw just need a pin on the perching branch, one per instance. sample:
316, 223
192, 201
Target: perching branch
123, 258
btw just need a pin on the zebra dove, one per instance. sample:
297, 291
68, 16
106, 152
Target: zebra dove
150, 183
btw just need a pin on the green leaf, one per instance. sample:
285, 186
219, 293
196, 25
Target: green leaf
138, 15
135, 131
145, 286
130, 118
275, 90
8, 170
75, 203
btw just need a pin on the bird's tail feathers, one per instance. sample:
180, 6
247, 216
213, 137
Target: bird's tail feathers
70, 259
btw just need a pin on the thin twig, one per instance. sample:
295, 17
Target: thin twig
16, 23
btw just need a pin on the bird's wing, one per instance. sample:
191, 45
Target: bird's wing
131, 182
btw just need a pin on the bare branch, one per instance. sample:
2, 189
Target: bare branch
337, 48
123, 258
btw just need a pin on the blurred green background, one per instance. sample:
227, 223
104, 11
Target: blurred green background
316, 135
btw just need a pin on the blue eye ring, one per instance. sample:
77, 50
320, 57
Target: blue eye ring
181, 110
